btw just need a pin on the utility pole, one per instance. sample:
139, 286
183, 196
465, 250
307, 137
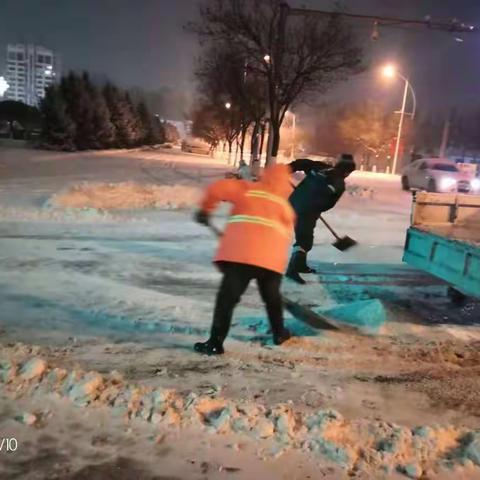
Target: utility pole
445, 135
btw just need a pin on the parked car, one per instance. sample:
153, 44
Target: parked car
196, 145
439, 175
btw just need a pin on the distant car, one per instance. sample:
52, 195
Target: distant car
439, 175
196, 145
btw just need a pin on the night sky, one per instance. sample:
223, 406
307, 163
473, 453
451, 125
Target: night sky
141, 42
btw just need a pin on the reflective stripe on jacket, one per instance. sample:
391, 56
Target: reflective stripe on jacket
260, 226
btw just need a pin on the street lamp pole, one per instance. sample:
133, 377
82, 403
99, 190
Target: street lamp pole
400, 126
412, 91
390, 71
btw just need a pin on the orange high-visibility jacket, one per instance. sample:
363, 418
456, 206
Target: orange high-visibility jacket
260, 227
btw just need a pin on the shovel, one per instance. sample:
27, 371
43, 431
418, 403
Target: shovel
215, 230
341, 243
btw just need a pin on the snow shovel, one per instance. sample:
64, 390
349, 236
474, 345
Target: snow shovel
215, 230
341, 243
304, 314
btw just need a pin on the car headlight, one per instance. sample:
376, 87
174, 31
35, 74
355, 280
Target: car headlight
475, 184
447, 182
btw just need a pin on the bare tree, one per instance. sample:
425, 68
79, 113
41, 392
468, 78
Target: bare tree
367, 125
214, 123
206, 126
224, 75
294, 58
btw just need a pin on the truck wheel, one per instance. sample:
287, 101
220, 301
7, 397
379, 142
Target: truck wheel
432, 186
456, 297
405, 184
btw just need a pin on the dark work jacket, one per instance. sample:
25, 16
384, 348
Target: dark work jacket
306, 165
317, 193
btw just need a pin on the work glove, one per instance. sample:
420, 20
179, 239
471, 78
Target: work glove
202, 217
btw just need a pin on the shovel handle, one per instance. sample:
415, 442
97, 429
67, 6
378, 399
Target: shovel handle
215, 230
329, 227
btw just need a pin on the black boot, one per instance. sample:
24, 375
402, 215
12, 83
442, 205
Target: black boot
294, 267
283, 337
209, 348
302, 263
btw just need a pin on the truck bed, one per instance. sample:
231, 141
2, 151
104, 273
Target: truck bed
461, 233
444, 239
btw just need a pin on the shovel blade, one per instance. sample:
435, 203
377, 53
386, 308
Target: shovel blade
344, 243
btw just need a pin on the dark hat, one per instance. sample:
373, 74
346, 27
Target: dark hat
346, 162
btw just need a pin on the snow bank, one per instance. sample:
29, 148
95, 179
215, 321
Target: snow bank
370, 446
56, 215
359, 191
126, 196
366, 315
375, 176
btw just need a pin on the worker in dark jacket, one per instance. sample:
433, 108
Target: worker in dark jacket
318, 192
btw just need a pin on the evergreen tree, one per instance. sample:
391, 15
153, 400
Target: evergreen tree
137, 132
121, 116
90, 118
57, 126
103, 127
150, 134
81, 109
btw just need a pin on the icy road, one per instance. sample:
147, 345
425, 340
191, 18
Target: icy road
131, 287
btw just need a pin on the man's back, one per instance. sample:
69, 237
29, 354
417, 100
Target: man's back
317, 193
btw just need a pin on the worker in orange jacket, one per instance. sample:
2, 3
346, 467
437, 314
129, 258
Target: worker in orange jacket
255, 245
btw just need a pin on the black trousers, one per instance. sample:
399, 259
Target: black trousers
304, 229
236, 278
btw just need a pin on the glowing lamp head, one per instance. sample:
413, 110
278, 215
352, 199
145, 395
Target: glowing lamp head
267, 58
389, 71
228, 105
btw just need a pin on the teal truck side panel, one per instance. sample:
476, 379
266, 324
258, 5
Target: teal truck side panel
454, 261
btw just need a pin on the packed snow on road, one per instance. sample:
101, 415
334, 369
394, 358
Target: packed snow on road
106, 283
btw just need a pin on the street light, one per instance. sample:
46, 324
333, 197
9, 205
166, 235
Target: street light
228, 105
390, 71
267, 58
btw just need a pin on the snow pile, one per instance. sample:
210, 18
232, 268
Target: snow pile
359, 191
366, 315
362, 445
57, 215
33, 369
126, 196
